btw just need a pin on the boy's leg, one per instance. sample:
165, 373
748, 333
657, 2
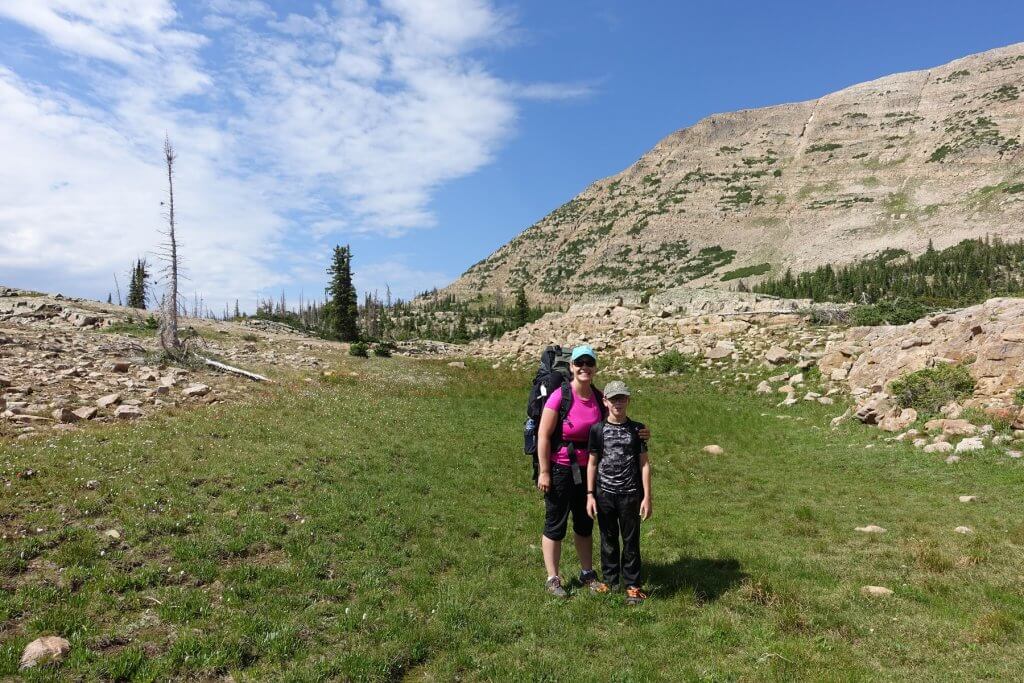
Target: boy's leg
629, 522
608, 521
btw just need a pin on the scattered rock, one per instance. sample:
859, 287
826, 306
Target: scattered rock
120, 366
85, 412
964, 530
45, 650
714, 449
951, 427
195, 390
112, 534
968, 499
128, 412
952, 459
875, 591
457, 364
108, 400
764, 388
897, 419
92, 484
778, 355
871, 529
939, 447
969, 444
65, 415
873, 410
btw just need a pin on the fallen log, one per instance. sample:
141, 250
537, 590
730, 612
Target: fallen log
236, 371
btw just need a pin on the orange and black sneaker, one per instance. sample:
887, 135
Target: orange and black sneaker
599, 587
634, 596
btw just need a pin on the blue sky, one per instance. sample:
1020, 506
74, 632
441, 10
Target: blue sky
425, 133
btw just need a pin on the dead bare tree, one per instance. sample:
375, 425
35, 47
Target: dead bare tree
169, 339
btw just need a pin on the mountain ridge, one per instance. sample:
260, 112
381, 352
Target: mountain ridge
933, 154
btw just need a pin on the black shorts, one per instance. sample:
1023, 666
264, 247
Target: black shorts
565, 496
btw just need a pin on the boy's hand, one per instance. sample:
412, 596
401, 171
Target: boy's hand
646, 509
591, 506
644, 434
544, 481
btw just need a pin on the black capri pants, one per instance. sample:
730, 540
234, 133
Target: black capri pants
563, 497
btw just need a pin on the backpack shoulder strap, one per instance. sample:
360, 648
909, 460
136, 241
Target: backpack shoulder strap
566, 404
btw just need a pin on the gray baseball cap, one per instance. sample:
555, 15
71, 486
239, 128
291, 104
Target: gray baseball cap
615, 388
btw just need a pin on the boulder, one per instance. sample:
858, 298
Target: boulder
713, 449
870, 529
128, 412
120, 366
195, 390
968, 499
453, 364
939, 447
85, 412
873, 410
108, 400
875, 591
44, 651
718, 352
971, 443
964, 530
778, 355
898, 419
951, 427
764, 388
65, 416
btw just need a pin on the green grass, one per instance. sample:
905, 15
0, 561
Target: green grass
384, 527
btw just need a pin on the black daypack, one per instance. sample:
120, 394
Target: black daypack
554, 373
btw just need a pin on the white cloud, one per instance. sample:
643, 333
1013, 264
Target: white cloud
292, 131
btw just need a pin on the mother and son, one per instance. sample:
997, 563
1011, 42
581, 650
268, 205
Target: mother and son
597, 436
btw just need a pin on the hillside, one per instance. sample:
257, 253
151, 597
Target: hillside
892, 163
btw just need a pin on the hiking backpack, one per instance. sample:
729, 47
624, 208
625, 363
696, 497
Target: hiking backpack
554, 373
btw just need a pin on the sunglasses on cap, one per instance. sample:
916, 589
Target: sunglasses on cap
585, 362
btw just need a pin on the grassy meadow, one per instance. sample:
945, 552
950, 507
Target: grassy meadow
383, 527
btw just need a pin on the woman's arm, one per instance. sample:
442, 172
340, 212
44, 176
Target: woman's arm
544, 432
647, 504
592, 486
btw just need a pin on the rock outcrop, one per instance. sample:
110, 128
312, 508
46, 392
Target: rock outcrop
893, 163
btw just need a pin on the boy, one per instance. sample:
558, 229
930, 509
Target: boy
619, 492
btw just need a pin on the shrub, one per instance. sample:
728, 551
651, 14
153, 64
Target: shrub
249, 337
383, 349
889, 312
929, 389
1018, 397
359, 349
673, 361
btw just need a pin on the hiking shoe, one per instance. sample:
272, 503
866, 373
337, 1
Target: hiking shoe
554, 586
634, 596
598, 587
588, 577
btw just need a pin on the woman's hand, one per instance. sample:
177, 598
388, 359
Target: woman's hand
591, 506
544, 481
646, 509
645, 434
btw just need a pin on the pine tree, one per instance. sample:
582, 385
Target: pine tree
137, 285
521, 315
342, 307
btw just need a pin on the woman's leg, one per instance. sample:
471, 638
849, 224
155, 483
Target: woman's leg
552, 554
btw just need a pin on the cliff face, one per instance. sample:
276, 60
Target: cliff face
892, 163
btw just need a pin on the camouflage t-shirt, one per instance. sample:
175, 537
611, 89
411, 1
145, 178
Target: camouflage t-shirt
617, 448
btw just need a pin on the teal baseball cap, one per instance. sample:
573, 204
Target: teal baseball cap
583, 350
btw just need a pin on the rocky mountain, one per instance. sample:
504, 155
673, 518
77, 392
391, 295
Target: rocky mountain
893, 163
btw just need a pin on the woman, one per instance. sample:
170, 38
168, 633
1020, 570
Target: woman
564, 491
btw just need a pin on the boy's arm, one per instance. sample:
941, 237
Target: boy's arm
647, 504
594, 448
